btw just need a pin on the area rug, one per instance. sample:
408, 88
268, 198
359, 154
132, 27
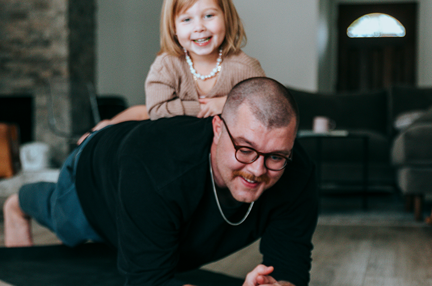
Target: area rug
89, 264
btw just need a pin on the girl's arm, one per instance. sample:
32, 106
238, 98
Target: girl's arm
211, 106
163, 99
137, 112
168, 93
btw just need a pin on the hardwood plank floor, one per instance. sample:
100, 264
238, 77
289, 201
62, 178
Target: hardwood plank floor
343, 256
371, 255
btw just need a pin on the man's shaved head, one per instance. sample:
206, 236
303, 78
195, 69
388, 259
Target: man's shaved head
269, 101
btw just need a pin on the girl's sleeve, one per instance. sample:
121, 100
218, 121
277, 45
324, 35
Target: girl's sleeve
162, 97
244, 67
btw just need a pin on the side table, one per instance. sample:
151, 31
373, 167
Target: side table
340, 134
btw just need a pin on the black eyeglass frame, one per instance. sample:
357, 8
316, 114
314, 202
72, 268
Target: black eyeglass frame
265, 155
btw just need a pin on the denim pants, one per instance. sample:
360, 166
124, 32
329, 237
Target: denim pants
56, 205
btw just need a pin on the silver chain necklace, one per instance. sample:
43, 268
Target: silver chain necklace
219, 206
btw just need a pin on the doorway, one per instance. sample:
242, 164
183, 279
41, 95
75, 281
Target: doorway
369, 63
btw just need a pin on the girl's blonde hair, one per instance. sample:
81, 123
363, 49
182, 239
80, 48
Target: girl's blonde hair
235, 36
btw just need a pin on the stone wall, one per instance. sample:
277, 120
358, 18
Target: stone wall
44, 40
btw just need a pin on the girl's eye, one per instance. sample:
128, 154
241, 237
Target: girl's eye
186, 20
208, 16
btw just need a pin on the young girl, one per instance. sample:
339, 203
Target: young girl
200, 60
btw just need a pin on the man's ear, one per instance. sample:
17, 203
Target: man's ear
217, 129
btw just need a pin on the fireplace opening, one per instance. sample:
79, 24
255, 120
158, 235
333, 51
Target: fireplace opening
18, 109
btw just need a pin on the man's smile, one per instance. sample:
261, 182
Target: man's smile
251, 179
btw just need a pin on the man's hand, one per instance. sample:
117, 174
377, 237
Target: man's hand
211, 106
261, 276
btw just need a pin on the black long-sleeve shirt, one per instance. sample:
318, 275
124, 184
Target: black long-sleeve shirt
146, 188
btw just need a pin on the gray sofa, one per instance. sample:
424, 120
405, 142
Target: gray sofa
412, 158
358, 113
371, 113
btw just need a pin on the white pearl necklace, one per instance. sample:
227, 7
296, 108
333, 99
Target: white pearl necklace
219, 206
213, 73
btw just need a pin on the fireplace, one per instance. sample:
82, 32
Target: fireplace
30, 113
18, 109
42, 40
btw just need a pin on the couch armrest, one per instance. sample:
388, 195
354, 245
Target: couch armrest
413, 145
425, 118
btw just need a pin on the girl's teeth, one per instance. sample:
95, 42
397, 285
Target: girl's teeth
202, 40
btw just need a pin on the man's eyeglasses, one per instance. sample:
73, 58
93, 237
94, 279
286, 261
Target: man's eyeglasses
248, 155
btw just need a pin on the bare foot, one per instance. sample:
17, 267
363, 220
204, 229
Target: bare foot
16, 224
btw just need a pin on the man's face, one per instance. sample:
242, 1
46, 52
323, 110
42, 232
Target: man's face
247, 182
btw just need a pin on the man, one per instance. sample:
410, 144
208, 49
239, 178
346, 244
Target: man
173, 194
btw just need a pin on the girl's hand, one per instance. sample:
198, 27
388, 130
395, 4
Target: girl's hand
211, 106
98, 126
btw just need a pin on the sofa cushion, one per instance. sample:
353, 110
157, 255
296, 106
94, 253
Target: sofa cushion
413, 146
366, 110
405, 98
414, 180
405, 119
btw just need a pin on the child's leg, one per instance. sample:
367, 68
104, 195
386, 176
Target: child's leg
16, 224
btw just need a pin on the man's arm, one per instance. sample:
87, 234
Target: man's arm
287, 241
146, 224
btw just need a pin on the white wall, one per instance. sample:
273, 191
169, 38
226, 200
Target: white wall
282, 35
127, 43
424, 62
325, 47
292, 39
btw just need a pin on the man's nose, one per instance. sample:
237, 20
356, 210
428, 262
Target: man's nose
257, 168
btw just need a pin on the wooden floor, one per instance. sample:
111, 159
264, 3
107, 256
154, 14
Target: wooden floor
372, 255
343, 256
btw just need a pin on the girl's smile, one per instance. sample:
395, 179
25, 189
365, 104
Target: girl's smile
203, 41
201, 29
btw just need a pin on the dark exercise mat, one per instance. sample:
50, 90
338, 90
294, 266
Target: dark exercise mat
89, 264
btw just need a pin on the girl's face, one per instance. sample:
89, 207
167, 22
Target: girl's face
201, 28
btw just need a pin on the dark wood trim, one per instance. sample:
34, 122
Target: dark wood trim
409, 203
418, 207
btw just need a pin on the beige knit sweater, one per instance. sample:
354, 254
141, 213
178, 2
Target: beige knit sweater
171, 90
